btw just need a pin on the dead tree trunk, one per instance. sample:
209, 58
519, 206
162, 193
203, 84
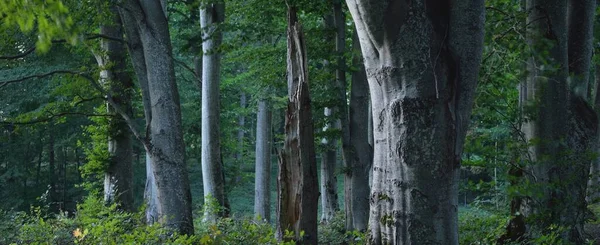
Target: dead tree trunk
298, 191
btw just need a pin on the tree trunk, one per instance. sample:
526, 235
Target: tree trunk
212, 16
52, 199
297, 182
262, 184
563, 126
136, 52
166, 147
328, 185
241, 131
594, 181
118, 178
422, 61
583, 125
359, 165
562, 112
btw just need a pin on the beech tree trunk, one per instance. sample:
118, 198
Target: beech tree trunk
241, 131
594, 182
357, 176
136, 52
422, 61
111, 58
563, 126
212, 16
52, 193
165, 144
298, 190
328, 185
262, 182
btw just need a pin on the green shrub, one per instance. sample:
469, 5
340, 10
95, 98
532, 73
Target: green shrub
479, 226
10, 223
335, 232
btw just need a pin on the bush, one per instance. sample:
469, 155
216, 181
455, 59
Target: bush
479, 226
94, 223
335, 232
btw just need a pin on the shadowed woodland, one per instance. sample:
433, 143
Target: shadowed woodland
299, 122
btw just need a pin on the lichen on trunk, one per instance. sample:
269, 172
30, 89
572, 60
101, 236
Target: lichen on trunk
422, 62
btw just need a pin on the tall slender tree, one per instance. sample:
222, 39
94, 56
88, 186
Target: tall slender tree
262, 183
357, 188
112, 59
165, 136
212, 15
422, 60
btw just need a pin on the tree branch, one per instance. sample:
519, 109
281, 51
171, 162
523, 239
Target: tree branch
87, 37
52, 116
97, 86
22, 79
184, 65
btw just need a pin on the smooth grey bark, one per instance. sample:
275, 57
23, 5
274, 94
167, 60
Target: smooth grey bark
297, 199
357, 176
241, 130
328, 184
583, 119
165, 144
212, 16
136, 53
563, 126
52, 199
422, 62
262, 182
111, 58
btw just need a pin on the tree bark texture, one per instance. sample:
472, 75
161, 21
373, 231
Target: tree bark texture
298, 191
165, 145
212, 16
111, 58
422, 60
359, 165
328, 184
136, 53
262, 182
594, 182
562, 126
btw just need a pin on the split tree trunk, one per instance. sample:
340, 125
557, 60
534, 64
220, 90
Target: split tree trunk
262, 182
165, 145
298, 191
422, 62
111, 58
212, 16
136, 52
359, 165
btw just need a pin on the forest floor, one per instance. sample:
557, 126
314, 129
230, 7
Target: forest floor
592, 231
592, 228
